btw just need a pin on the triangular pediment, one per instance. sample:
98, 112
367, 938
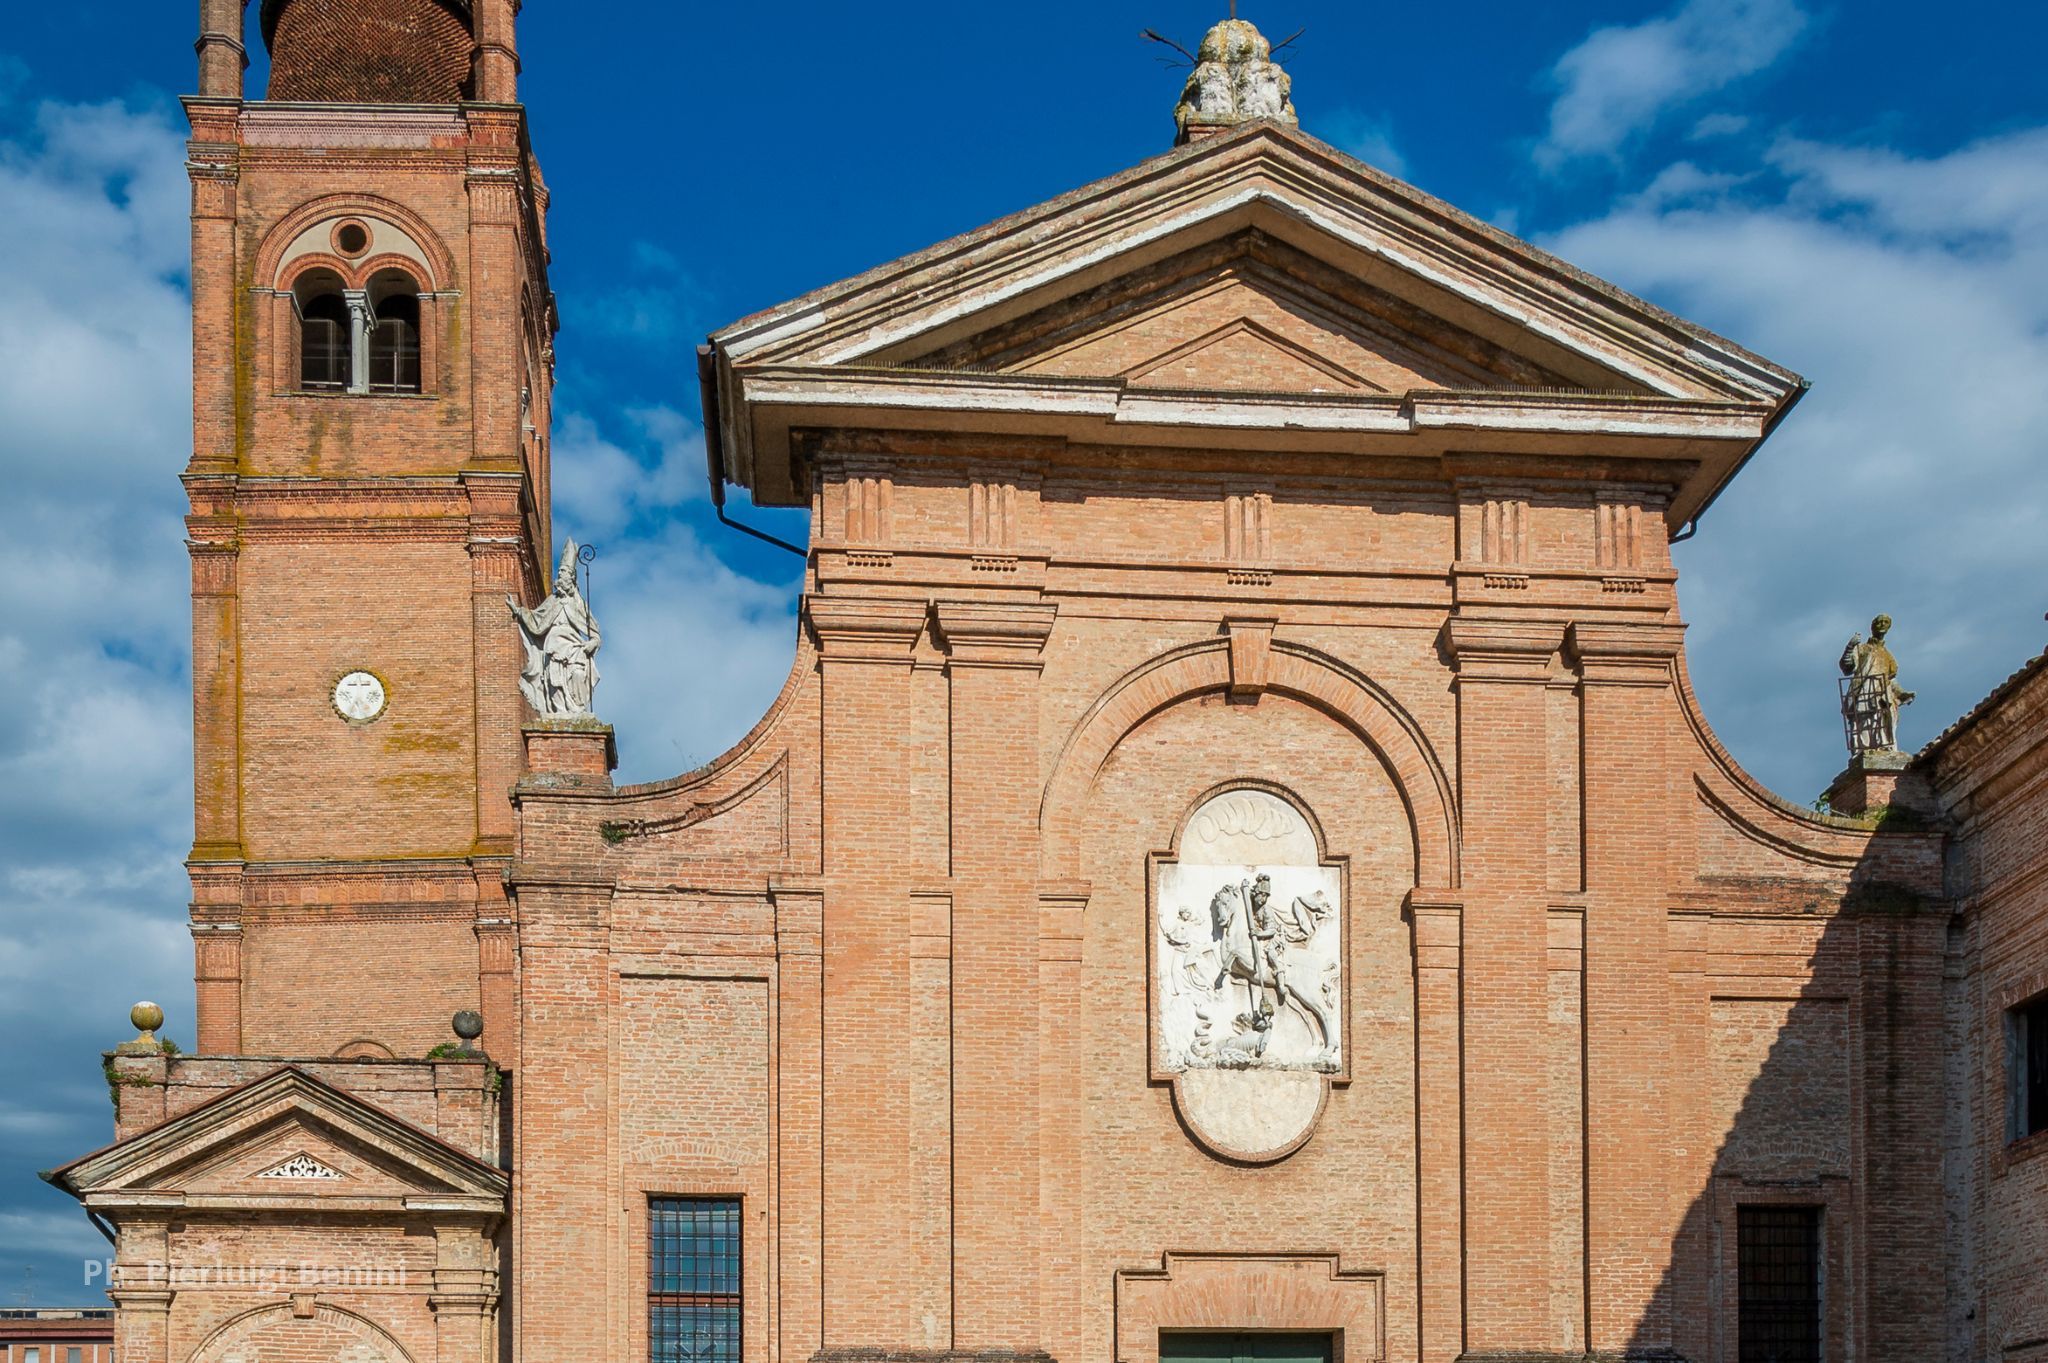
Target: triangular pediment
1246, 313
1243, 353
285, 1136
1258, 261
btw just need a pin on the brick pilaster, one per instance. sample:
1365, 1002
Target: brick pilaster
1633, 796
1438, 928
1503, 669
993, 651
562, 1207
865, 655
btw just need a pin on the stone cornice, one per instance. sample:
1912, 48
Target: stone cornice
847, 354
124, 1174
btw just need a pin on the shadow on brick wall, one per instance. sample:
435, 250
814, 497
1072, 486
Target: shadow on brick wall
1807, 1123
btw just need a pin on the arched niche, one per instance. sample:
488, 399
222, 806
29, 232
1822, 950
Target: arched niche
1293, 670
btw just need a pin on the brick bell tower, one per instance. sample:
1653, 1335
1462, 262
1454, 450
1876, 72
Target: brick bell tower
373, 357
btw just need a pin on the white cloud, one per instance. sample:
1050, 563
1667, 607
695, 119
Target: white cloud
1683, 183
67, 1234
1913, 292
94, 741
1718, 125
1618, 81
603, 485
694, 652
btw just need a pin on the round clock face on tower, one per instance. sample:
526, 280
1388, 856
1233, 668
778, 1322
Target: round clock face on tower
359, 697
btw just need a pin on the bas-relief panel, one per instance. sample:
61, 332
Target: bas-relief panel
1248, 983
1250, 942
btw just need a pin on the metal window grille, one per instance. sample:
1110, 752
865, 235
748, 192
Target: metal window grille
693, 1280
1778, 1249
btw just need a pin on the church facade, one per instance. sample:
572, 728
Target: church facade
1236, 869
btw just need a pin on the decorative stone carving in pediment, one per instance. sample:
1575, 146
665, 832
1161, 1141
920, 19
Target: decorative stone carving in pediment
1248, 973
301, 1166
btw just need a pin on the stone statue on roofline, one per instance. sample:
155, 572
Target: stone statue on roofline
1235, 81
562, 639
1871, 694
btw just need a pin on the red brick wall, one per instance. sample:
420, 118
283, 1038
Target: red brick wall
1992, 776
370, 51
341, 872
1649, 993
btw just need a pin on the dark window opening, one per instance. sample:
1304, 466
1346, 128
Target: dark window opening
693, 1280
1778, 1253
1264, 1346
2026, 1032
395, 346
324, 342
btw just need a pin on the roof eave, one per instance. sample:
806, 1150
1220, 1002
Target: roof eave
766, 404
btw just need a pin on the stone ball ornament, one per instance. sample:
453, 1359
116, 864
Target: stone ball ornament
145, 1017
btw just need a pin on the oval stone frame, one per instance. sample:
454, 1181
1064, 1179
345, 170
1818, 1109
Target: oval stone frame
1252, 1113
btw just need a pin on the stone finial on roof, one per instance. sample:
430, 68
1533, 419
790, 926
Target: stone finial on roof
1235, 81
145, 1017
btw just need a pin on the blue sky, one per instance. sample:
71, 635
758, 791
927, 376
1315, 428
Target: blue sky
1852, 190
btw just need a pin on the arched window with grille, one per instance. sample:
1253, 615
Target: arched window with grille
394, 340
326, 348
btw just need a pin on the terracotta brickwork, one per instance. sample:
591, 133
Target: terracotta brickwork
369, 51
1249, 500
342, 532
1990, 773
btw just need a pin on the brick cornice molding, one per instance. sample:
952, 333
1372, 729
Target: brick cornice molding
1624, 655
1501, 650
867, 629
995, 633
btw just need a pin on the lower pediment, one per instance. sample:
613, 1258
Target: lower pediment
287, 1136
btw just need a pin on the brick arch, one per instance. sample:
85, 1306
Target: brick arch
355, 1338
1294, 670
270, 259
